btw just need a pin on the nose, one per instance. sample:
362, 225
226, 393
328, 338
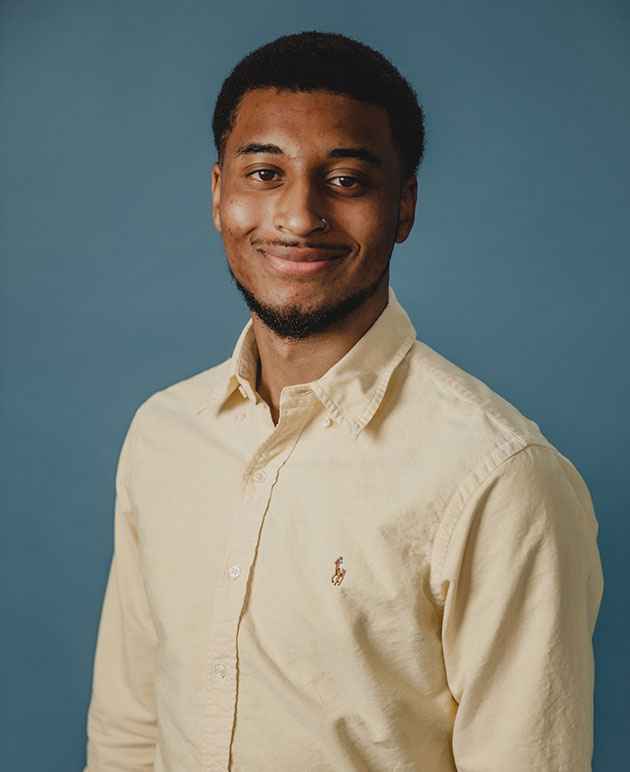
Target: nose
298, 208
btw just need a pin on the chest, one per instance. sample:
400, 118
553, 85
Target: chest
310, 537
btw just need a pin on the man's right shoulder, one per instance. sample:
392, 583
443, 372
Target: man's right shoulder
184, 397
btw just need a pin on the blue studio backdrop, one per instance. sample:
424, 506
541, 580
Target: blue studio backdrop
115, 281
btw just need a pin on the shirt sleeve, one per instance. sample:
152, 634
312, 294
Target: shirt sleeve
121, 718
523, 583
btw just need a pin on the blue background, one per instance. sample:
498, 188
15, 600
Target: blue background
115, 282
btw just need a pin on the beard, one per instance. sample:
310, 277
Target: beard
294, 323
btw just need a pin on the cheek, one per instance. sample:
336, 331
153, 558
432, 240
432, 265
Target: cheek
376, 228
238, 215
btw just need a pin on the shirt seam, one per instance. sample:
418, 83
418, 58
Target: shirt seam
455, 383
449, 519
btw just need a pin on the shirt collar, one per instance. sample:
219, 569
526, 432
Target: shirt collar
352, 389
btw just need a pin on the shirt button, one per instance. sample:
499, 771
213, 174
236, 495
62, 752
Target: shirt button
235, 572
219, 671
240, 416
326, 423
259, 476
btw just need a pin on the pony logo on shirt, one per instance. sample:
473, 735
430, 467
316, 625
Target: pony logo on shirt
340, 571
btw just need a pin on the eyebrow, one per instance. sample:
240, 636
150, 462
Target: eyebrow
362, 153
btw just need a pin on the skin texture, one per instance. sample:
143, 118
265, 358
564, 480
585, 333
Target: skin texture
304, 323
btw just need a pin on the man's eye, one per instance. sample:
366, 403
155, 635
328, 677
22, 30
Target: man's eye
264, 171
345, 177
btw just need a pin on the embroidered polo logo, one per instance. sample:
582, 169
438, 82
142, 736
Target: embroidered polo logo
340, 571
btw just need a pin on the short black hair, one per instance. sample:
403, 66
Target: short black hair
327, 61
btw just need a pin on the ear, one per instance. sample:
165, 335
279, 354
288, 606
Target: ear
216, 196
407, 208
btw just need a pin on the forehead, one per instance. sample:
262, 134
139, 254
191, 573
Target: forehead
300, 122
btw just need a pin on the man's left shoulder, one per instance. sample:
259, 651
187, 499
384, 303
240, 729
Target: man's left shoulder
472, 431
466, 413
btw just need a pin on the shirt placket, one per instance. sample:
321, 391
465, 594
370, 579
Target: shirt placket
261, 474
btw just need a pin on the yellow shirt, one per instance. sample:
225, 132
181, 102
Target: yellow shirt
403, 574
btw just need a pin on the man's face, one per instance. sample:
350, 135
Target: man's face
268, 204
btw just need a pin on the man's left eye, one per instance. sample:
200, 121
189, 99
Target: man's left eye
345, 177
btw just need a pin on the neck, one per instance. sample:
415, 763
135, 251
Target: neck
289, 362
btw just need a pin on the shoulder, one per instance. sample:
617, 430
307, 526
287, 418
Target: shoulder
461, 430
465, 408
492, 458
182, 399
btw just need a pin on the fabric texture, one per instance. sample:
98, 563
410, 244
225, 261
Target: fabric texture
402, 574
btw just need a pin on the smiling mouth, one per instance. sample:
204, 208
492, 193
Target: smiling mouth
304, 254
301, 262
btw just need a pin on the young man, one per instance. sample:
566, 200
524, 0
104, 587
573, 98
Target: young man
337, 550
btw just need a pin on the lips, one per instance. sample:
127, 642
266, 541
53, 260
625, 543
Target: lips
304, 254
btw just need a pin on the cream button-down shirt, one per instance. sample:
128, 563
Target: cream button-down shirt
402, 574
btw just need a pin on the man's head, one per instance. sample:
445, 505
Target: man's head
310, 126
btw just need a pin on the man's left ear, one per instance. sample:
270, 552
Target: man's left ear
407, 209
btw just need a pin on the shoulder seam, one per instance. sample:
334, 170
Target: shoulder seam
456, 503
457, 386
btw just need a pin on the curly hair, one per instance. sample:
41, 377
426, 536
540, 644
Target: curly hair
327, 61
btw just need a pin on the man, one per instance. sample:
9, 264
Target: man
337, 550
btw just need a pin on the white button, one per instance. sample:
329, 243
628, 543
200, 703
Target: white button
259, 476
326, 422
219, 671
235, 571
240, 416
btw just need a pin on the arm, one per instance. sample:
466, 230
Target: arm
523, 583
121, 719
